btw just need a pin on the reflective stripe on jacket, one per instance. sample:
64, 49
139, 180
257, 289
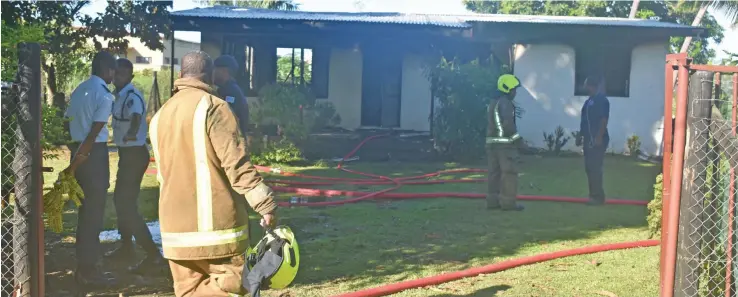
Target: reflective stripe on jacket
206, 178
496, 133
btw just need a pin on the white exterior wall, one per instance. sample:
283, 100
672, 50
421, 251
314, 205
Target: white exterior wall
415, 106
547, 95
344, 90
344, 85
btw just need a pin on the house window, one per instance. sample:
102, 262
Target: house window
609, 60
304, 66
143, 60
168, 61
294, 66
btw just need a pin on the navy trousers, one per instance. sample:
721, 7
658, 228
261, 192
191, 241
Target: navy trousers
594, 157
93, 177
132, 166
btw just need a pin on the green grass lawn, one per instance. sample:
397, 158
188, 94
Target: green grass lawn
367, 244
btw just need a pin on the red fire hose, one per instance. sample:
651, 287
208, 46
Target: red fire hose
497, 267
373, 179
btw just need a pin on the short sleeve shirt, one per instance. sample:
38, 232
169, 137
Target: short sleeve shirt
595, 109
231, 93
90, 102
128, 101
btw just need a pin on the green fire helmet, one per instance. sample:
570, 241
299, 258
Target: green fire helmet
507, 82
273, 263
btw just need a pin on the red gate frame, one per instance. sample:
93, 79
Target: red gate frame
672, 175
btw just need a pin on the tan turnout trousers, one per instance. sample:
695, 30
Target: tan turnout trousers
208, 278
502, 179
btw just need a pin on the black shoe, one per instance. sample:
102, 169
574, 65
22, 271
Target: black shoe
517, 207
152, 263
94, 279
122, 252
593, 202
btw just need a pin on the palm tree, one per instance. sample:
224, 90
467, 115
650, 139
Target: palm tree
731, 60
729, 8
634, 9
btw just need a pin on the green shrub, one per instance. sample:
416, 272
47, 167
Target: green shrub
463, 91
655, 208
556, 140
634, 145
320, 116
277, 152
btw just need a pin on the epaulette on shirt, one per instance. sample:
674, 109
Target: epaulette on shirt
106, 88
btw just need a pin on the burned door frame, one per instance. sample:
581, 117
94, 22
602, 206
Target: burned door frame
376, 60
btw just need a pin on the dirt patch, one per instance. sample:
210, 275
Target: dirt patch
60, 262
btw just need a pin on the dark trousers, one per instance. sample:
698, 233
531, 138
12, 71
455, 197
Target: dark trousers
132, 166
594, 157
93, 177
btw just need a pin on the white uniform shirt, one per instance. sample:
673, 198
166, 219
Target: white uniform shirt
90, 102
128, 101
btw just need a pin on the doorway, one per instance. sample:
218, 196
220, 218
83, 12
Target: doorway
381, 89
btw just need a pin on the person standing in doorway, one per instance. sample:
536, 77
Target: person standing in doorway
502, 145
207, 185
129, 134
89, 108
226, 68
594, 137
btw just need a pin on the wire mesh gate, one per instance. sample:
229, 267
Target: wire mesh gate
22, 268
698, 251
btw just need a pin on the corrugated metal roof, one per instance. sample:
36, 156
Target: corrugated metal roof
440, 20
226, 12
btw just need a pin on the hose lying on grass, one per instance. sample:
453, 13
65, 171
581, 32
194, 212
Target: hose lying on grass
416, 180
497, 267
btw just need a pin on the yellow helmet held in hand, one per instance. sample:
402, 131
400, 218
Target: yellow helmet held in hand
507, 82
273, 263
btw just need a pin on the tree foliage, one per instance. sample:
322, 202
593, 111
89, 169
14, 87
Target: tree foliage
264, 4
66, 48
665, 11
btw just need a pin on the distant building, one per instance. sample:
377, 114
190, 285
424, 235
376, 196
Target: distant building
144, 58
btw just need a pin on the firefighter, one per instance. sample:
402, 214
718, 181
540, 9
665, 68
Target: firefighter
89, 108
502, 145
129, 133
594, 137
206, 185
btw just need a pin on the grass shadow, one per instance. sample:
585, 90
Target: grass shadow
486, 292
366, 244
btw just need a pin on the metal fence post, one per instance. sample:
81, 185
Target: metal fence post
669, 237
693, 193
28, 232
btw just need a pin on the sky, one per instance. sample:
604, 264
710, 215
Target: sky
729, 43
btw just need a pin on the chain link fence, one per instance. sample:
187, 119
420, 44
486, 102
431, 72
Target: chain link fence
706, 250
22, 233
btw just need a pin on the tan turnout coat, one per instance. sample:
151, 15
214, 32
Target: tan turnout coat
205, 176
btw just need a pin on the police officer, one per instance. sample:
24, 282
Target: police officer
594, 137
89, 108
129, 134
226, 68
502, 145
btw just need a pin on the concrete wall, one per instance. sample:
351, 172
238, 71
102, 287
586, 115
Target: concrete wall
547, 75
